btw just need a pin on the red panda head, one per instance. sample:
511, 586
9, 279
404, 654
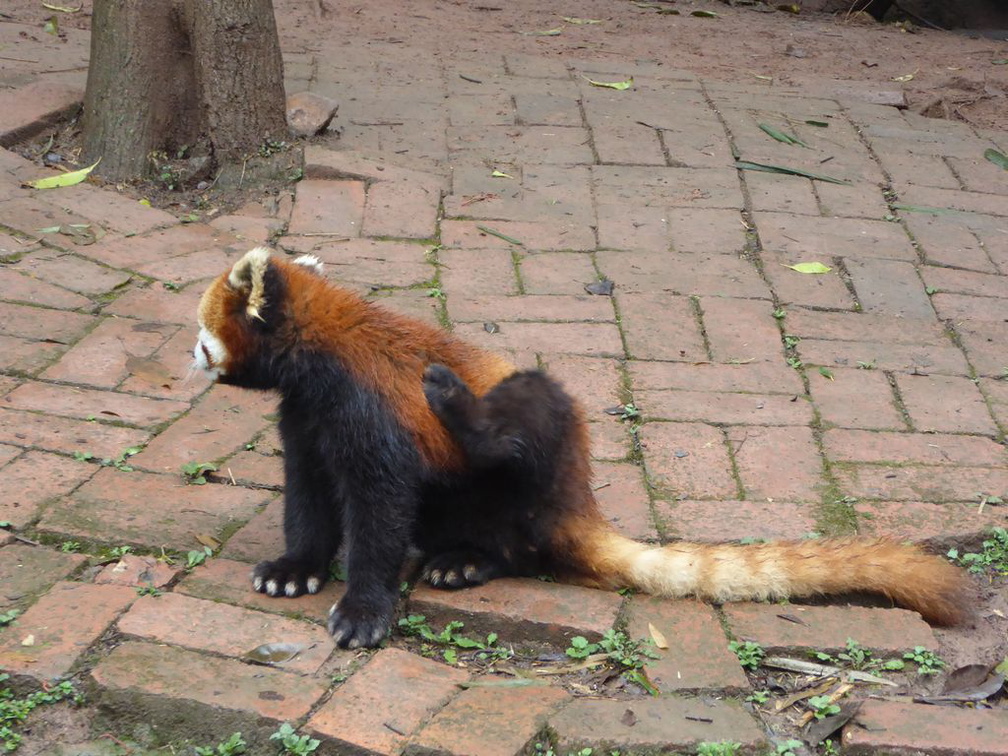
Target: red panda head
238, 315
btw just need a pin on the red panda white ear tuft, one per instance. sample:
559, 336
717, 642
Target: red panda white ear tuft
311, 262
248, 276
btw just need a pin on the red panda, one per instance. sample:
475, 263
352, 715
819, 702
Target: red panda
398, 434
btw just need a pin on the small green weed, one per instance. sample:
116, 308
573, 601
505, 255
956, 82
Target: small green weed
7, 617
195, 558
416, 625
628, 654
927, 662
70, 547
294, 744
788, 748
720, 748
630, 412
856, 656
231, 747
14, 711
195, 472
822, 707
994, 556
791, 341
829, 748
148, 590
435, 293
749, 653
758, 697
171, 286
780, 313
866, 364
116, 552
118, 463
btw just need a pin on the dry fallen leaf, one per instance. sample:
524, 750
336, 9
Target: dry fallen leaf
657, 636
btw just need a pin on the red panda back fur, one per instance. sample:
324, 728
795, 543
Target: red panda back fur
387, 353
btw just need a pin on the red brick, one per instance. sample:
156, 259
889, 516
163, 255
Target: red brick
620, 492
250, 468
485, 110
777, 463
965, 282
851, 201
949, 244
228, 581
72, 272
223, 629
899, 727
137, 571
864, 327
759, 340
942, 524
704, 231
712, 274
260, 538
532, 144
118, 212
557, 273
29, 109
27, 357
521, 609
375, 263
697, 656
688, 460
662, 186
384, 703
887, 632
890, 287
89, 404
488, 721
401, 209
997, 394
946, 404
19, 287
956, 199
34, 217
65, 622
753, 378
794, 288
920, 483
609, 440
100, 358
959, 307
477, 272
182, 253
759, 409
986, 346
177, 677
595, 382
33, 481
668, 723
151, 511
923, 448
721, 521
252, 230
530, 307
661, 327
589, 339
154, 303
29, 429
941, 358
174, 379
625, 143
647, 228
40, 323
8, 453
225, 419
27, 570
824, 238
328, 207
542, 236
856, 399
774, 192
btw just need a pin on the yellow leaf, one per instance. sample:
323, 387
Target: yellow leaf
64, 179
620, 85
657, 636
144, 202
581, 21
501, 174
810, 267
63, 8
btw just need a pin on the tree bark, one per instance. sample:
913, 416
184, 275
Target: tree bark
165, 74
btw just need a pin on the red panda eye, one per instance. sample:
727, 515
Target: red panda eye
206, 353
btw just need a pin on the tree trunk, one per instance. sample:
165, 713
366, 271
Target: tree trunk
165, 74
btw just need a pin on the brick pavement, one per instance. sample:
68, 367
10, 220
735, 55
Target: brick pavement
773, 403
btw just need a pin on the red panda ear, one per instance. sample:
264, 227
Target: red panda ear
248, 276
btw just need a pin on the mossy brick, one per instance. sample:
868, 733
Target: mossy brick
827, 628
942, 359
229, 581
26, 570
49, 638
385, 702
623, 499
488, 721
898, 727
960, 307
35, 480
890, 287
151, 252
864, 327
985, 344
942, 525
724, 408
23, 287
824, 238
760, 339
543, 236
851, 398
688, 459
649, 725
117, 212
530, 307
687, 274
328, 207
371, 262
219, 628
588, 339
557, 273
39, 323
521, 609
920, 482
697, 657
72, 272
843, 445
88, 404
261, 537
153, 511
154, 303
173, 378
748, 378
945, 404
403, 209
34, 430
795, 289
758, 455
178, 677
477, 273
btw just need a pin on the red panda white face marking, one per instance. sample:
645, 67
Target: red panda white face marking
209, 354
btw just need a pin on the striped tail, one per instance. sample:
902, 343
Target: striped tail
907, 576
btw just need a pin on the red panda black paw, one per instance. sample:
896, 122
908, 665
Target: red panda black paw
443, 388
353, 626
287, 577
459, 569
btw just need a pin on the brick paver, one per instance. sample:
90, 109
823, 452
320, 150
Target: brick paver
771, 402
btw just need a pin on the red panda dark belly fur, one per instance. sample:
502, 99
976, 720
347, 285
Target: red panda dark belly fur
484, 467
